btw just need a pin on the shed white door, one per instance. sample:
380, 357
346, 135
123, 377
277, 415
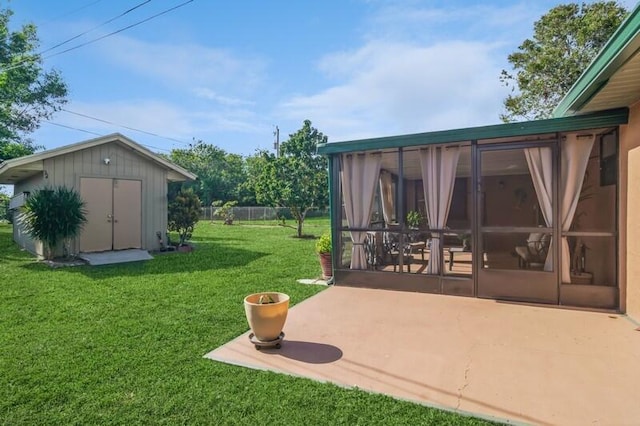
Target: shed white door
114, 214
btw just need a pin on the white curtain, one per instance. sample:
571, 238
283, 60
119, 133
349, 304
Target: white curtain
386, 195
575, 151
541, 169
438, 166
359, 175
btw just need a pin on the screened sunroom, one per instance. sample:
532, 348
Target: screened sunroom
520, 211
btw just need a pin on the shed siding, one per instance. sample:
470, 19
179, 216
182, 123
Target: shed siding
20, 236
125, 163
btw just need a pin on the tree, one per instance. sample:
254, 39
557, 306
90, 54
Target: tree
52, 215
564, 42
220, 174
28, 93
184, 212
297, 179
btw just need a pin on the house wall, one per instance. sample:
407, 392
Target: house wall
125, 163
629, 241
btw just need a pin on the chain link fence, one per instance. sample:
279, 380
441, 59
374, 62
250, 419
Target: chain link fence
259, 214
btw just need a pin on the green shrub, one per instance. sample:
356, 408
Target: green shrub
323, 245
52, 215
184, 212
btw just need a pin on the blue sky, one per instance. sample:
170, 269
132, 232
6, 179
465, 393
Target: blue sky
229, 72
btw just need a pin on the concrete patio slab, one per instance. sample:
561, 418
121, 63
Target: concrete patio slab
118, 256
511, 362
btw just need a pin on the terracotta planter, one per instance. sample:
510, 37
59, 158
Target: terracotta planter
185, 248
267, 319
325, 264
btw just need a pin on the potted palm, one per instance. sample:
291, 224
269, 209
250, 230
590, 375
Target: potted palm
323, 248
266, 314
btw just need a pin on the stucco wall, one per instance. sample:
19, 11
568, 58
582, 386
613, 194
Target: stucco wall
630, 214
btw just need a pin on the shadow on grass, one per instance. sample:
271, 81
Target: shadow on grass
207, 257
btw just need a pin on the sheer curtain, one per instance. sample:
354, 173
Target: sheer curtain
541, 169
575, 151
438, 166
386, 195
359, 175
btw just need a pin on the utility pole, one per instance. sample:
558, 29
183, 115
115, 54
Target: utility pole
276, 143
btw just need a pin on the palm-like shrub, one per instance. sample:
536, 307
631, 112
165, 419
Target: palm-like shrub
184, 212
52, 215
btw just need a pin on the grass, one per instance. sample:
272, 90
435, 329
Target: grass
123, 344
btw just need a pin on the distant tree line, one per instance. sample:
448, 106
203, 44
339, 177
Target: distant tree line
296, 178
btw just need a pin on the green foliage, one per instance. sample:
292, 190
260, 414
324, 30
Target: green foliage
28, 93
414, 219
4, 208
225, 211
297, 179
323, 245
184, 212
52, 215
220, 174
565, 41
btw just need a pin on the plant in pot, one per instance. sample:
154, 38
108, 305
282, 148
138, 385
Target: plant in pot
184, 212
414, 219
323, 248
266, 314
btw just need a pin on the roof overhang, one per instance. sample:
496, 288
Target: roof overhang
598, 120
612, 80
18, 169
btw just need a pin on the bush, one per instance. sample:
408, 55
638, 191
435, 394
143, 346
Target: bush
52, 215
323, 245
184, 212
225, 211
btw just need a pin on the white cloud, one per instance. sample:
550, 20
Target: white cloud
190, 66
391, 88
206, 93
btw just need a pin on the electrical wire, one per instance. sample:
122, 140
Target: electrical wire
96, 27
100, 134
120, 30
68, 13
38, 56
124, 127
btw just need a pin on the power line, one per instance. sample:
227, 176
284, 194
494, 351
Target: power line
100, 134
120, 30
96, 27
124, 127
39, 57
69, 13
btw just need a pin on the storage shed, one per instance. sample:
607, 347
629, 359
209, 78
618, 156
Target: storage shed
123, 184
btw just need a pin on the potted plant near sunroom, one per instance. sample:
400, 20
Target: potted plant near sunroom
323, 248
266, 314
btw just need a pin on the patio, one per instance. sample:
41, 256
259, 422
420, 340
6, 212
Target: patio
497, 360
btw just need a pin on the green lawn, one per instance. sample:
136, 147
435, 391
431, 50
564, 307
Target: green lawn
123, 344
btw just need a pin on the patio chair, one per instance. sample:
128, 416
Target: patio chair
534, 254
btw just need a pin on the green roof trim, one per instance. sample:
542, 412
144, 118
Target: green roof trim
552, 125
622, 45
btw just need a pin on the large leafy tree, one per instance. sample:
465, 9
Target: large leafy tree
220, 174
297, 179
28, 93
564, 42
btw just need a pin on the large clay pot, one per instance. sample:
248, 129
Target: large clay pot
325, 264
267, 319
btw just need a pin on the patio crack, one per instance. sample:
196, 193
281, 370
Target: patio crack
466, 378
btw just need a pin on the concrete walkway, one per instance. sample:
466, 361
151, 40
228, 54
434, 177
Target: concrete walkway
116, 256
510, 362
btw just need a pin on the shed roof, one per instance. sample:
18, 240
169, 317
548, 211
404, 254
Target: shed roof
612, 80
17, 169
597, 120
